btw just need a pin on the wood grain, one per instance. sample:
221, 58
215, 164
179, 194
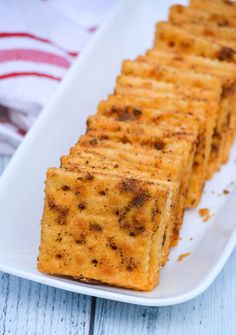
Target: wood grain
31, 308
212, 313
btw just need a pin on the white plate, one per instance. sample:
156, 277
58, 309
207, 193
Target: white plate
129, 32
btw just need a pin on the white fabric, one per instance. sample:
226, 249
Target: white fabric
31, 69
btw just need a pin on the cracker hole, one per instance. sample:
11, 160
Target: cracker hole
95, 262
171, 44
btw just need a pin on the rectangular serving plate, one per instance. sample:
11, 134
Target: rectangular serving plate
128, 32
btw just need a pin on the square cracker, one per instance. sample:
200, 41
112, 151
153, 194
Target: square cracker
145, 67
88, 225
149, 67
115, 156
201, 23
179, 14
221, 35
154, 68
148, 135
160, 148
226, 121
119, 162
218, 7
125, 83
183, 119
165, 140
207, 114
179, 117
159, 153
171, 37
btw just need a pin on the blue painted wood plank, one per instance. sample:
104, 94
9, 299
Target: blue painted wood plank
30, 308
212, 313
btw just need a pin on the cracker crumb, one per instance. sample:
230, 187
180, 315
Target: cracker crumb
226, 192
205, 214
183, 256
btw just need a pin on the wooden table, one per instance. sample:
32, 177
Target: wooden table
30, 308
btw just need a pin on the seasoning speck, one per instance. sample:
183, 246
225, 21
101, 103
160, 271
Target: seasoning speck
226, 192
183, 256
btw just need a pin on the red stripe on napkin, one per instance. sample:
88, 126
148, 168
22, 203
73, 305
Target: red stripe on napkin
38, 38
33, 56
28, 74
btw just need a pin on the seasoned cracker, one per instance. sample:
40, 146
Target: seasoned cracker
226, 121
117, 157
119, 162
170, 37
118, 244
179, 14
128, 85
218, 7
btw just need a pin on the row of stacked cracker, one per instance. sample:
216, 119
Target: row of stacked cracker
115, 206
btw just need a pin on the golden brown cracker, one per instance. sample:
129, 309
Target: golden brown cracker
224, 72
179, 14
207, 117
171, 37
129, 158
113, 244
119, 162
218, 7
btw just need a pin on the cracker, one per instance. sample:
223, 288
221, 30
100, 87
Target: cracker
189, 45
118, 244
105, 124
225, 36
119, 162
182, 120
226, 121
218, 7
207, 115
196, 15
125, 84
157, 163
160, 139
141, 134
145, 67
179, 14
195, 62
170, 37
153, 68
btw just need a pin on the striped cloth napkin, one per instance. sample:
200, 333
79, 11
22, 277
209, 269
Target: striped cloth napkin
39, 40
